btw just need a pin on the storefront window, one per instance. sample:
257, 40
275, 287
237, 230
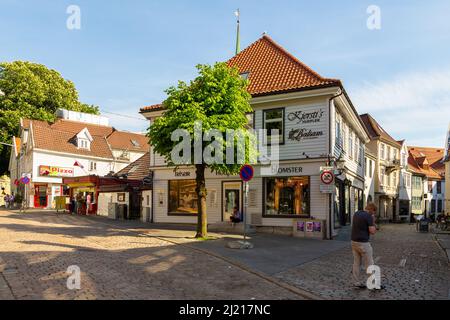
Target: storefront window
66, 191
287, 196
182, 197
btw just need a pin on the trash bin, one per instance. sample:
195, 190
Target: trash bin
424, 225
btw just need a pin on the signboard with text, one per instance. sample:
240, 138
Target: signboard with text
49, 171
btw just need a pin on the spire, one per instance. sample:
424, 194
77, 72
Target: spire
238, 38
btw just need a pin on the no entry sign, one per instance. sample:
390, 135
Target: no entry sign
246, 173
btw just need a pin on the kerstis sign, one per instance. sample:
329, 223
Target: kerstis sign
47, 171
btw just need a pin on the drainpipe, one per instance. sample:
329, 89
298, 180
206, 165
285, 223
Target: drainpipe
330, 151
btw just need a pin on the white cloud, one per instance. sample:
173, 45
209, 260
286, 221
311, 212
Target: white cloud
412, 106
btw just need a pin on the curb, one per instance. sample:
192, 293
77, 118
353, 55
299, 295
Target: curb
446, 251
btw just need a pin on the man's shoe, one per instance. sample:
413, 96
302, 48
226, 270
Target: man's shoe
378, 289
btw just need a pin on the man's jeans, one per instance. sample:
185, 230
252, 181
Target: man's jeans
362, 253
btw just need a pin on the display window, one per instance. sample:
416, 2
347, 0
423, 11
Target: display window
288, 196
182, 197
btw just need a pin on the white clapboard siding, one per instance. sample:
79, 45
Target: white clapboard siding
292, 149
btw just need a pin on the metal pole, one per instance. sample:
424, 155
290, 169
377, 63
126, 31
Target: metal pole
245, 210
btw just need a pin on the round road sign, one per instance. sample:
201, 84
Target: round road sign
327, 177
247, 173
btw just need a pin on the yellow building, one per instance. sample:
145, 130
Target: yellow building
387, 169
5, 189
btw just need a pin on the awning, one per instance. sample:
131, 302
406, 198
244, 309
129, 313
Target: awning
80, 184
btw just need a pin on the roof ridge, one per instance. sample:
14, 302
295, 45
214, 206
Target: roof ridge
81, 122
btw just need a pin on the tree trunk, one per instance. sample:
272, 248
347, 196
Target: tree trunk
201, 201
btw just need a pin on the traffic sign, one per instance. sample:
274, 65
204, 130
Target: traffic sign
25, 180
247, 172
327, 177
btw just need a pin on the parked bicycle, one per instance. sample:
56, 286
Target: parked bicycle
443, 223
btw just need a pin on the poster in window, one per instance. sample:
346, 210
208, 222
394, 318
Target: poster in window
317, 226
301, 226
309, 226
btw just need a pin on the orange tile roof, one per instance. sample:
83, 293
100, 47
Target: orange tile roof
75, 127
154, 107
58, 136
124, 141
427, 161
62, 141
272, 70
375, 130
137, 170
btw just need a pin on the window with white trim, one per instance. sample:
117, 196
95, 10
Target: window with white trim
350, 145
92, 166
274, 120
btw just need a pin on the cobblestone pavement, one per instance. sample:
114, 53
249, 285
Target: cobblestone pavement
413, 266
37, 248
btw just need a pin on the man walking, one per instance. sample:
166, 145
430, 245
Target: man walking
363, 226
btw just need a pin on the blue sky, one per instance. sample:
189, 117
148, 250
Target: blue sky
127, 53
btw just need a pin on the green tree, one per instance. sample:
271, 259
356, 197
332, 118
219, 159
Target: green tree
219, 99
32, 91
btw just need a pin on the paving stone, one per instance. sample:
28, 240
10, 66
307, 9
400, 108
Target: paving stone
37, 249
425, 275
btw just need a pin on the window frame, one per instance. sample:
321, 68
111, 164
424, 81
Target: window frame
283, 123
180, 214
285, 216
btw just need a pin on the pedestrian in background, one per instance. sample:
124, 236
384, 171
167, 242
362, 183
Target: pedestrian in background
12, 198
6, 198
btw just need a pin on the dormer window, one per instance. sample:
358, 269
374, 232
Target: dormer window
244, 75
83, 144
135, 144
84, 139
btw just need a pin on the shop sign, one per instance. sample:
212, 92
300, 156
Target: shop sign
289, 170
48, 171
304, 134
305, 117
182, 174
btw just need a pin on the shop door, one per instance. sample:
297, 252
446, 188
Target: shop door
40, 196
135, 205
231, 198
